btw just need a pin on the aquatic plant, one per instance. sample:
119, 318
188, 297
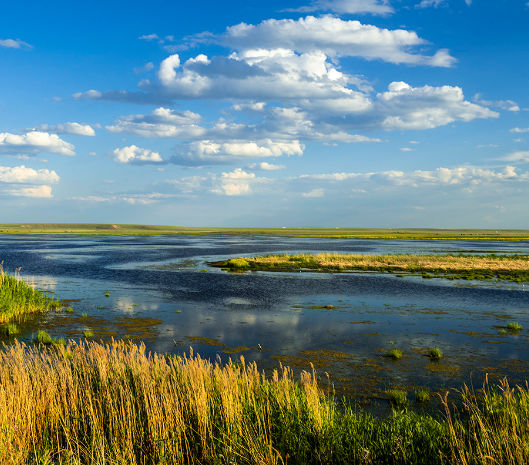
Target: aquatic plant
11, 329
69, 310
394, 353
502, 331
397, 398
43, 337
435, 353
88, 334
422, 396
84, 315
514, 326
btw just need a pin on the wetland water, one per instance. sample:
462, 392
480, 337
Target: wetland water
159, 289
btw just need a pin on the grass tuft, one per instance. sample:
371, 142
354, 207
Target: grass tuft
11, 329
514, 326
422, 396
394, 353
435, 353
397, 398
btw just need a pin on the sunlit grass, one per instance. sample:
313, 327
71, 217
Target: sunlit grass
435, 353
18, 298
514, 326
89, 403
394, 353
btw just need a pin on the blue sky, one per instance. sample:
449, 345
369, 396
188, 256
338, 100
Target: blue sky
324, 113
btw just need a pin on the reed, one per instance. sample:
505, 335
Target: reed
18, 298
89, 403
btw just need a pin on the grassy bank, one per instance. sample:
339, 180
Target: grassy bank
110, 404
338, 233
513, 267
18, 298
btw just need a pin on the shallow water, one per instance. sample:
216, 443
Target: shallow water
162, 292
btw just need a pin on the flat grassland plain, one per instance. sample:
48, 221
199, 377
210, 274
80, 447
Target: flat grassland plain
338, 233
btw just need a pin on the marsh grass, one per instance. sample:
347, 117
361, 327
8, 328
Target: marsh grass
397, 398
88, 334
512, 267
394, 353
435, 353
514, 326
18, 298
44, 338
11, 329
90, 403
422, 396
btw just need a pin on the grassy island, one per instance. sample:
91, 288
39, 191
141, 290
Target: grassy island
90, 403
512, 267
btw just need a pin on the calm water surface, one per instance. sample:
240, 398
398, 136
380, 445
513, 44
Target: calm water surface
162, 292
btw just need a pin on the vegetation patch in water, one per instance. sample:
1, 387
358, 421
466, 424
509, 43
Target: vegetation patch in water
503, 267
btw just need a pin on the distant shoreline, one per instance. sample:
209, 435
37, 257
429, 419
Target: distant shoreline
323, 233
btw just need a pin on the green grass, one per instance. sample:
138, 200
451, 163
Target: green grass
44, 338
69, 310
435, 353
11, 329
397, 398
394, 353
18, 298
84, 315
88, 334
333, 232
514, 326
422, 396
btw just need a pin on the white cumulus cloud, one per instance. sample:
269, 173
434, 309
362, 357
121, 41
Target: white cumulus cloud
34, 142
21, 174
519, 130
135, 156
37, 192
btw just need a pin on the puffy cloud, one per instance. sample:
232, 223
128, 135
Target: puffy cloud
234, 183
37, 192
160, 123
503, 104
21, 174
10, 43
264, 166
519, 130
407, 149
374, 7
206, 152
334, 37
135, 156
66, 128
426, 107
33, 143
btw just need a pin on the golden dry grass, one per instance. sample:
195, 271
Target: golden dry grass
401, 262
